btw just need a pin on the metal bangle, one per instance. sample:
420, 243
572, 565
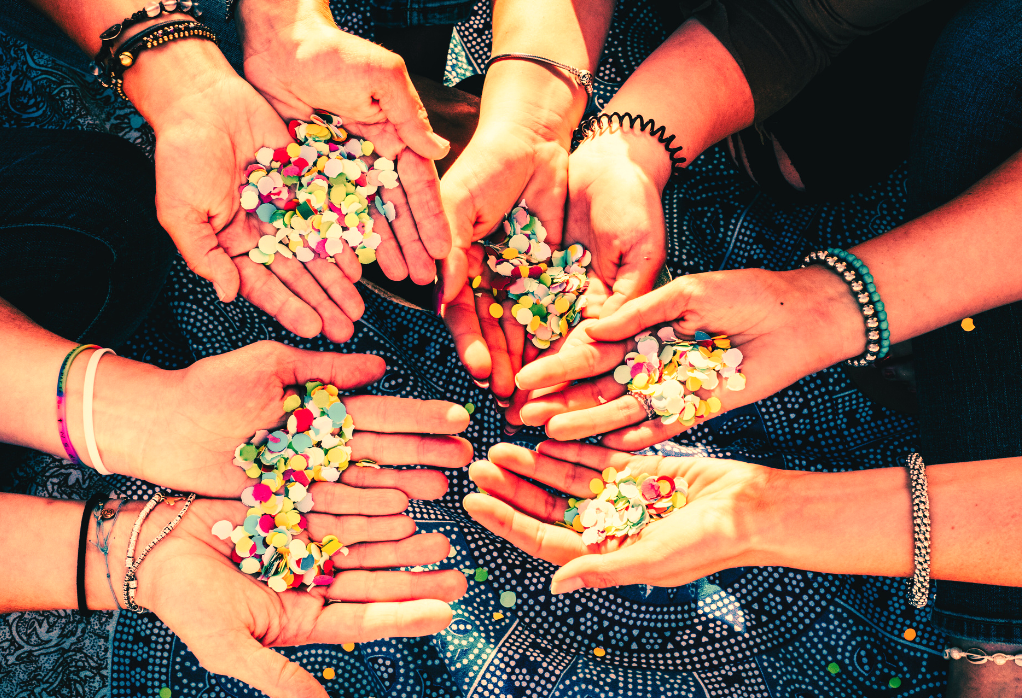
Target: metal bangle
583, 78
920, 593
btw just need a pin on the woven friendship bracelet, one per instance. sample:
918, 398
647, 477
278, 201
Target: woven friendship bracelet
132, 563
856, 274
975, 655
595, 125
920, 593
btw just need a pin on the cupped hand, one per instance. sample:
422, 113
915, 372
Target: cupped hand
230, 621
300, 61
781, 321
717, 529
201, 414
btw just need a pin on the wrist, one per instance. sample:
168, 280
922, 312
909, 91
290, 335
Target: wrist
540, 99
621, 143
277, 26
835, 328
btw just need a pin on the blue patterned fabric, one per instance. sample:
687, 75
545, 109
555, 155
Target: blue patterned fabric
752, 632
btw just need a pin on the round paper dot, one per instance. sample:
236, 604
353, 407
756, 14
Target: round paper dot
481, 575
833, 667
496, 310
469, 407
348, 646
895, 682
328, 673
910, 634
165, 692
508, 599
599, 651
968, 325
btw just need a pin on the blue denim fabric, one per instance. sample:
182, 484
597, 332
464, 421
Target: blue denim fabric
968, 122
419, 13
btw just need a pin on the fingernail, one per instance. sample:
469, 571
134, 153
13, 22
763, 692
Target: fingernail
511, 429
438, 296
482, 384
517, 384
566, 586
504, 404
219, 291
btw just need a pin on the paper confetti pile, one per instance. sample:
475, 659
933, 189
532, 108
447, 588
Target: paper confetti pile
624, 504
310, 448
317, 192
546, 286
670, 375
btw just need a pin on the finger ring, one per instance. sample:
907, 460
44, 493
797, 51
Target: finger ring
647, 403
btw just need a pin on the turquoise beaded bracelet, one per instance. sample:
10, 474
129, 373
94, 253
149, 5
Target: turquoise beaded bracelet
856, 274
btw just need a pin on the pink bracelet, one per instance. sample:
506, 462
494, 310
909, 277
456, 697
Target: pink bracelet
65, 368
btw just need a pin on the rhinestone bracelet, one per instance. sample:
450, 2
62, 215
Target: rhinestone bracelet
975, 655
856, 274
920, 593
132, 565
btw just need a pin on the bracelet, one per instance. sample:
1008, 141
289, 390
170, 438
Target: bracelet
102, 516
590, 127
65, 368
130, 576
977, 656
229, 10
152, 10
920, 593
90, 432
856, 274
83, 536
583, 78
152, 37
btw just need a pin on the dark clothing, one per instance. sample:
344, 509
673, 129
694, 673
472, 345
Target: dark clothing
970, 383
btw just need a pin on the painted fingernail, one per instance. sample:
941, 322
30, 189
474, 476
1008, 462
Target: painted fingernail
511, 429
503, 404
482, 384
566, 586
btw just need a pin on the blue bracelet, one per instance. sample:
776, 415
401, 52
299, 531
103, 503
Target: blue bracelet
856, 274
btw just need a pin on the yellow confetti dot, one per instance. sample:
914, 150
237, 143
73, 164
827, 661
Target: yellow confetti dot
596, 485
496, 310
609, 474
328, 673
599, 651
476, 281
910, 634
348, 646
497, 615
968, 325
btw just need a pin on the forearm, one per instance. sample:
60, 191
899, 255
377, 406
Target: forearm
861, 522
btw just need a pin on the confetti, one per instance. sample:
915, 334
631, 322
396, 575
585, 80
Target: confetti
497, 615
348, 646
329, 673
669, 371
311, 448
469, 407
599, 651
968, 325
481, 575
833, 667
165, 692
895, 682
910, 634
624, 505
547, 286
318, 193
508, 599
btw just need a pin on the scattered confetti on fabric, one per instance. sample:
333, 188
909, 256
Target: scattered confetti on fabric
833, 667
547, 286
348, 646
318, 193
968, 325
624, 505
310, 448
599, 651
481, 575
329, 673
508, 599
497, 615
669, 371
165, 692
895, 682
469, 407
910, 634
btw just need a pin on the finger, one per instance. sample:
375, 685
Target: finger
551, 543
415, 483
520, 397
299, 280
196, 239
360, 529
421, 267
340, 289
390, 415
411, 449
644, 435
388, 253
563, 474
514, 334
347, 262
658, 306
596, 457
349, 622
502, 376
525, 497
573, 363
580, 396
422, 188
298, 366
363, 586
400, 103
629, 564
239, 655
616, 414
267, 292
463, 323
341, 499
453, 274
420, 549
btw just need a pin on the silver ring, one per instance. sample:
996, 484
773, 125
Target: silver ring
646, 402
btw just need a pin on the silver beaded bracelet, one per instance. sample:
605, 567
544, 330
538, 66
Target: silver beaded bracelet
920, 593
132, 565
977, 656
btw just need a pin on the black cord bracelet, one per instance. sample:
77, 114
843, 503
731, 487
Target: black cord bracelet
152, 10
152, 37
83, 540
590, 127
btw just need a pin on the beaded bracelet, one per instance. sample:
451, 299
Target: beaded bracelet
65, 369
590, 127
856, 274
132, 565
152, 10
977, 656
152, 37
920, 593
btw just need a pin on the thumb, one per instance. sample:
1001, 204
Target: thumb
243, 658
454, 273
636, 276
297, 366
197, 242
628, 565
664, 304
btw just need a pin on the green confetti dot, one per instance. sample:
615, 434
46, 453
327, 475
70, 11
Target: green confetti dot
164, 692
833, 667
895, 682
481, 574
469, 407
508, 599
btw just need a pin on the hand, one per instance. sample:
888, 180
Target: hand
199, 415
300, 61
230, 620
787, 324
719, 528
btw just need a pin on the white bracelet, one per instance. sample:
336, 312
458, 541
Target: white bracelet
90, 432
